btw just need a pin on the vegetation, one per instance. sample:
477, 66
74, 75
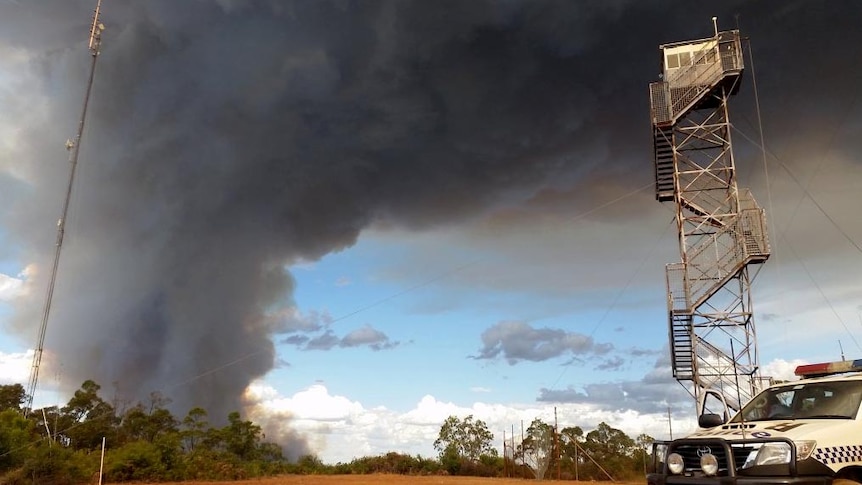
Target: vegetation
147, 443
605, 453
62, 445
466, 447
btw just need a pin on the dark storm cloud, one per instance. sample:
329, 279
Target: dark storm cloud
230, 139
518, 341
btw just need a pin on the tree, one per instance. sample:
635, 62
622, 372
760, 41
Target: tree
194, 428
242, 438
644, 443
87, 418
538, 447
15, 433
609, 441
138, 424
466, 439
613, 449
570, 438
12, 396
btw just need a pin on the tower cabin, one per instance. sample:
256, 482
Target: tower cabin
693, 75
696, 74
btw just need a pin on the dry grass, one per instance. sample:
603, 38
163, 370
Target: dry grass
386, 480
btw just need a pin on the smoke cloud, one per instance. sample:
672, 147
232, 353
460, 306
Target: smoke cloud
228, 140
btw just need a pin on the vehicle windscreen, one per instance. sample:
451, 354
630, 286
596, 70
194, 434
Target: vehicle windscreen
815, 400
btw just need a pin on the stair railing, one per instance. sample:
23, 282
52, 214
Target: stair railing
710, 263
683, 87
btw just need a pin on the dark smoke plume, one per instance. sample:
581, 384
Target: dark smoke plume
230, 139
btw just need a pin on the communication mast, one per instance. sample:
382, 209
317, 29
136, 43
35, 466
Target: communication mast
722, 230
73, 147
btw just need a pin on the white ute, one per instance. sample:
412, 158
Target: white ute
801, 432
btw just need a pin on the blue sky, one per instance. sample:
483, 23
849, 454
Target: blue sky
465, 227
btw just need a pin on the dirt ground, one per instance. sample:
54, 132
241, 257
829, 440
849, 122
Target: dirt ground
388, 480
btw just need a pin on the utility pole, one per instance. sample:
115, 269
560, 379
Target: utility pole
505, 457
523, 455
557, 452
514, 451
669, 425
577, 447
73, 147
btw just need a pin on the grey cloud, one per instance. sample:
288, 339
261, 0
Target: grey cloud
365, 336
375, 339
768, 317
653, 394
611, 363
518, 341
638, 352
296, 340
324, 342
292, 321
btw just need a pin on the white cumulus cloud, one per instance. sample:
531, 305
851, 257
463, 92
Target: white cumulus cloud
15, 367
10, 287
339, 429
782, 369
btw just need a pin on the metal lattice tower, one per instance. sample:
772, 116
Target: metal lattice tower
722, 230
73, 147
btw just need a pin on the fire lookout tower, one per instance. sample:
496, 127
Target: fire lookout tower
722, 230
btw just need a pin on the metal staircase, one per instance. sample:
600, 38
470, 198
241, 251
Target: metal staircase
718, 257
663, 151
722, 230
682, 347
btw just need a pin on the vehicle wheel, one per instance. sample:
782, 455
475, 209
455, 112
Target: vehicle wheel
844, 481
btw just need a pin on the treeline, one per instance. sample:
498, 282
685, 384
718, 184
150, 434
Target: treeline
145, 442
63, 445
465, 446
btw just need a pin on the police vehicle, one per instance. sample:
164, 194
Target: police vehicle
801, 432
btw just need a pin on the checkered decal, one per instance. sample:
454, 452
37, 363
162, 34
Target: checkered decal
839, 454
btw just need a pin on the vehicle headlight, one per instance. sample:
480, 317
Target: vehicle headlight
769, 454
709, 464
779, 453
675, 463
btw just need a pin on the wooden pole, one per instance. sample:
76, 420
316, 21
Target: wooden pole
102, 463
557, 453
513, 452
669, 425
505, 457
523, 455
576, 458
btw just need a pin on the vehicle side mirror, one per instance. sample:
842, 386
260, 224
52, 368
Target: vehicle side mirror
710, 420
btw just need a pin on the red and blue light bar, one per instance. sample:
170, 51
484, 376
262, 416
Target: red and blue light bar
827, 368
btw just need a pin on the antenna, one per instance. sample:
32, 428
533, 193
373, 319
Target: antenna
73, 147
97, 28
842, 351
